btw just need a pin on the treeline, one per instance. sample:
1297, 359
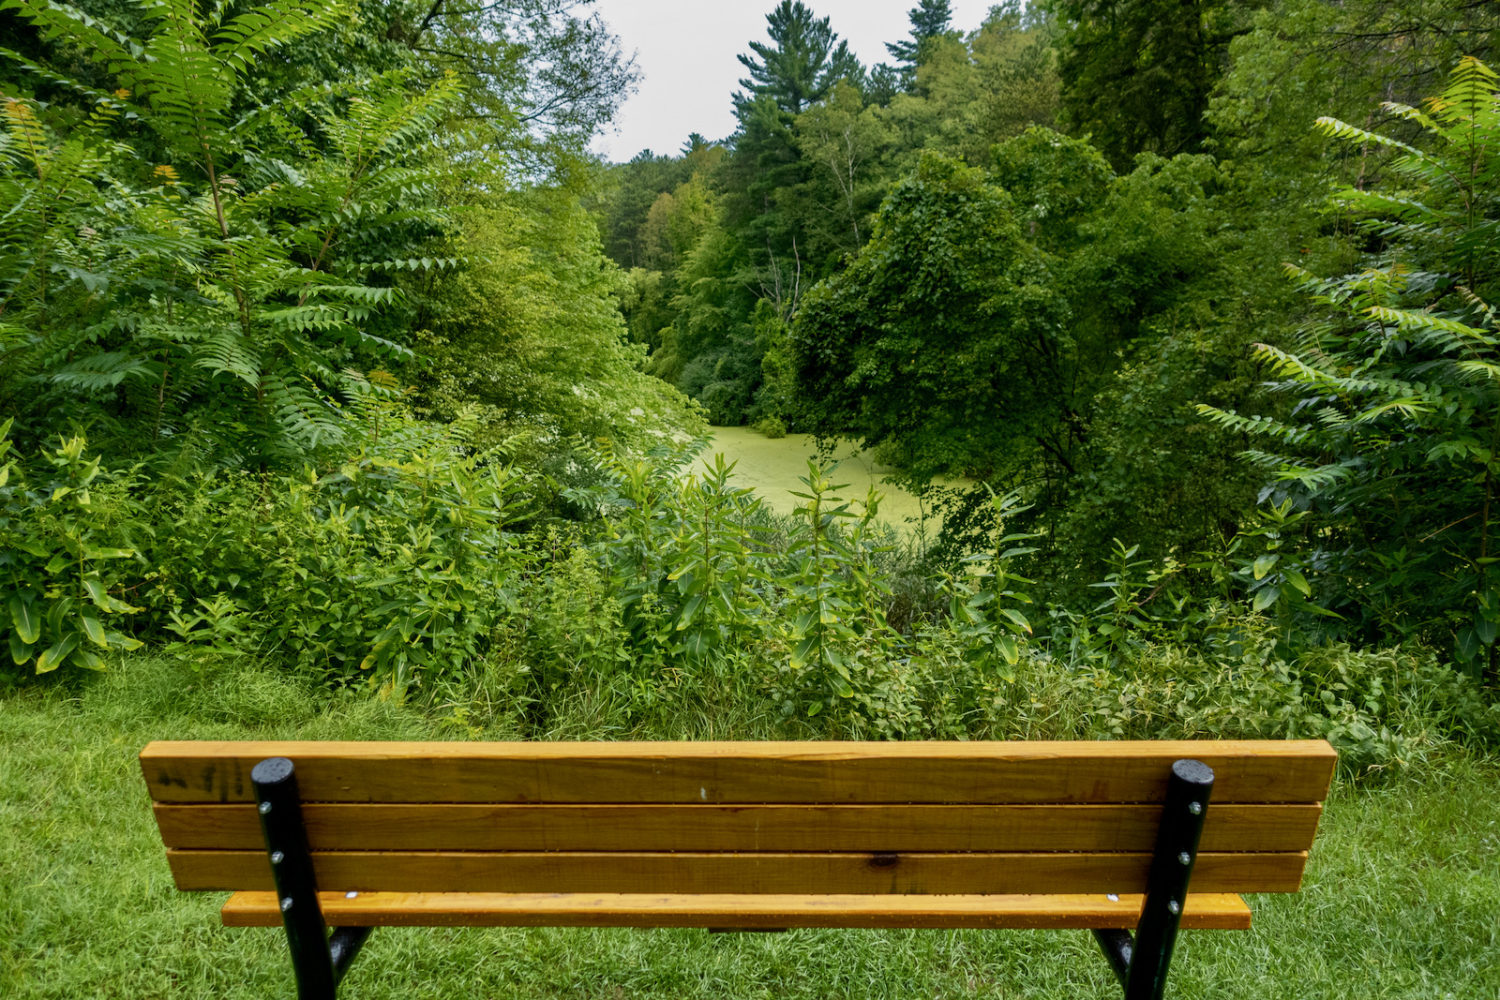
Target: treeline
1031, 253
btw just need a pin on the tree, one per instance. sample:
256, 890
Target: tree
529, 331
804, 61
224, 291
1391, 436
1137, 74
975, 91
843, 138
943, 336
929, 19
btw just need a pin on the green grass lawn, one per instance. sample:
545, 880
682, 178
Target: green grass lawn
1401, 898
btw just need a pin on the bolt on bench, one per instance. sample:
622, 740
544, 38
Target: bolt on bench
739, 836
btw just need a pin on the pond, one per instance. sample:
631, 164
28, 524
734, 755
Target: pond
774, 468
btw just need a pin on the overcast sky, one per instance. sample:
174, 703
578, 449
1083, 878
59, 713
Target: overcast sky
686, 53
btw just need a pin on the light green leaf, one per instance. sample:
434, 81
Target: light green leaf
28, 624
1266, 597
95, 590
119, 640
1265, 564
1008, 649
93, 629
90, 552
57, 655
1298, 581
1016, 617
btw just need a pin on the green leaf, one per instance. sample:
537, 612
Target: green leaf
689, 611
1468, 645
1265, 597
89, 552
1008, 649
28, 624
1484, 629
95, 590
93, 629
1017, 617
57, 655
1265, 564
1298, 581
119, 640
20, 652
803, 651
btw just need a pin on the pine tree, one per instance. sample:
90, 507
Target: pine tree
929, 19
805, 61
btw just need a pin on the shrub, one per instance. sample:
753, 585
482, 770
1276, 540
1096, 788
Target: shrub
771, 427
65, 559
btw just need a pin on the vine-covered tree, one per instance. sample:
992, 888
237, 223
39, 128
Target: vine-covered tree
944, 336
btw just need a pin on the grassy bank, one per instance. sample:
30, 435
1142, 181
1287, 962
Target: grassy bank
1399, 899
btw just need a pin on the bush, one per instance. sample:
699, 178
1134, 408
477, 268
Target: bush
393, 567
66, 562
771, 427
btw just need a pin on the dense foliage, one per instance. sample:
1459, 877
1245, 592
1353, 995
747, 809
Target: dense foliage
324, 343
1390, 439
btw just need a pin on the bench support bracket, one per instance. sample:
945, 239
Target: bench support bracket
318, 961
1140, 962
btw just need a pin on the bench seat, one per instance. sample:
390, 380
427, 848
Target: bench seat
1109, 837
1204, 911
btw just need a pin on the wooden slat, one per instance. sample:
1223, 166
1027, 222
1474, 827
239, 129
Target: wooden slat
972, 773
903, 873
930, 828
1202, 911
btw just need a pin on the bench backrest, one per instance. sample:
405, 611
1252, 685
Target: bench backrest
801, 818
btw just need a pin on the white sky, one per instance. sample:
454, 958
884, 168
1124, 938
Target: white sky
686, 52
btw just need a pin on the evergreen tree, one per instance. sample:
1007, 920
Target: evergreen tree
804, 62
929, 19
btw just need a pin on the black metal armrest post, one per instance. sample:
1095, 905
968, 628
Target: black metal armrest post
1141, 962
318, 963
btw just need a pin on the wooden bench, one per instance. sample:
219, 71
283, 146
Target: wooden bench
738, 836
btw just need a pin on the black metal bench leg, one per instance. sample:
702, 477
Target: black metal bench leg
318, 962
1141, 962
